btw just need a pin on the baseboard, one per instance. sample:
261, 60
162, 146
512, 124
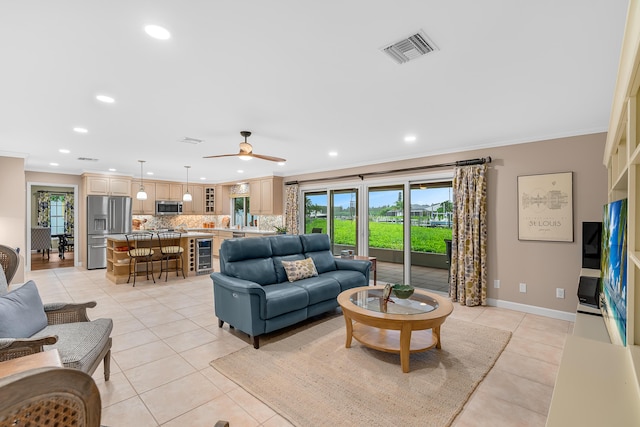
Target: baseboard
540, 311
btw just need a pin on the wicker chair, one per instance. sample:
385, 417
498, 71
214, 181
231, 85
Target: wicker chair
82, 343
49, 397
9, 260
139, 250
170, 249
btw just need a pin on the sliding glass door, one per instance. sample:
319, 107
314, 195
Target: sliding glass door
344, 220
408, 228
386, 231
315, 212
430, 234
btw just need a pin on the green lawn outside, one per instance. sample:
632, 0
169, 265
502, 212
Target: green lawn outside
387, 235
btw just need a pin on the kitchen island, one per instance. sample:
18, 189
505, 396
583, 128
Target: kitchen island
118, 256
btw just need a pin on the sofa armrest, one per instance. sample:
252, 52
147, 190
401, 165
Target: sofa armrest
240, 303
11, 348
354, 264
238, 285
58, 313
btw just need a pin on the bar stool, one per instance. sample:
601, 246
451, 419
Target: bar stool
139, 250
170, 249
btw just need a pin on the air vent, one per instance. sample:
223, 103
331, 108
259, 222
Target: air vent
87, 159
188, 140
410, 48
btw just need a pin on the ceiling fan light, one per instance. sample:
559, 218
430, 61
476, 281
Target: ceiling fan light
244, 157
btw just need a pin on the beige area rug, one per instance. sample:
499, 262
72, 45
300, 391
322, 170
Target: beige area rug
308, 376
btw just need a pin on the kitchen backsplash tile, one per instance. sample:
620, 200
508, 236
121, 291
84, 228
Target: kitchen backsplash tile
150, 222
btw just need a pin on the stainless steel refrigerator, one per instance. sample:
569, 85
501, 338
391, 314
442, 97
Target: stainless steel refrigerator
105, 215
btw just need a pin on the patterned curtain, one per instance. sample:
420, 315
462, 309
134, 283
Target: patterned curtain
469, 241
44, 199
68, 213
291, 208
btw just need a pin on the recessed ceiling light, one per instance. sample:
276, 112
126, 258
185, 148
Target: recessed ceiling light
333, 153
112, 169
106, 99
64, 151
202, 178
282, 163
157, 32
410, 138
53, 164
80, 130
240, 171
149, 173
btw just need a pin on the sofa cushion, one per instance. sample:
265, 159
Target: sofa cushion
288, 244
241, 249
79, 343
315, 242
347, 278
281, 274
300, 269
21, 312
323, 260
259, 270
282, 298
319, 288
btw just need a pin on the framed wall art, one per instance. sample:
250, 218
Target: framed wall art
545, 207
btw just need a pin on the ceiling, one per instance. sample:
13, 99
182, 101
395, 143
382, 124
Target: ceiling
306, 77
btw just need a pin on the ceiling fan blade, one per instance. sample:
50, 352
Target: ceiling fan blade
220, 155
271, 158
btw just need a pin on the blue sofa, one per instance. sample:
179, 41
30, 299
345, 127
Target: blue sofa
252, 292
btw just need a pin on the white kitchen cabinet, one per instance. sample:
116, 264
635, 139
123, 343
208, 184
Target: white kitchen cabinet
168, 191
144, 207
104, 185
266, 196
196, 205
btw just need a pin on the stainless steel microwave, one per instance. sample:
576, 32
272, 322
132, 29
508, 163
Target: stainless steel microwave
168, 207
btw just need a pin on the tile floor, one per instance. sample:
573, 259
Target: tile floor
165, 335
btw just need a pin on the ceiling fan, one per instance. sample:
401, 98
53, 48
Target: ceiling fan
246, 151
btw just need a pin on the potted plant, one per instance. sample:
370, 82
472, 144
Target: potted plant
281, 229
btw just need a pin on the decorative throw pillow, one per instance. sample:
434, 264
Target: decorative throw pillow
21, 312
301, 269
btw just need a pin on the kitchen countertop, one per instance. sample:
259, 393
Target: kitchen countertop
235, 230
197, 232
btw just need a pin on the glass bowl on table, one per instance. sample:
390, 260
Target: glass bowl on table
402, 291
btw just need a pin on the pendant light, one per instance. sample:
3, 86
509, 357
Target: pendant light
187, 196
142, 195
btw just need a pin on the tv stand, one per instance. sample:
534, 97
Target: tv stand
593, 386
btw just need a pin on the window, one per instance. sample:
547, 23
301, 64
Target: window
431, 216
315, 212
56, 214
240, 214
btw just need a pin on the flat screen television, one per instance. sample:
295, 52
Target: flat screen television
614, 271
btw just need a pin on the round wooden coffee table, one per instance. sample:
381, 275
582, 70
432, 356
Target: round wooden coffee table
388, 327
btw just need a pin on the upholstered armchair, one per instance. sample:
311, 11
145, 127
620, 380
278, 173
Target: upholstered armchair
28, 326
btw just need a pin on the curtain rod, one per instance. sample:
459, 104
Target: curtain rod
54, 192
470, 162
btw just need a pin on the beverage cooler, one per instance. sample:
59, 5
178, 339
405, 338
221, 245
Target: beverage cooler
204, 255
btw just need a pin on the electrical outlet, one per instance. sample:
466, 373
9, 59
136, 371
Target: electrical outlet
523, 288
496, 283
559, 292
